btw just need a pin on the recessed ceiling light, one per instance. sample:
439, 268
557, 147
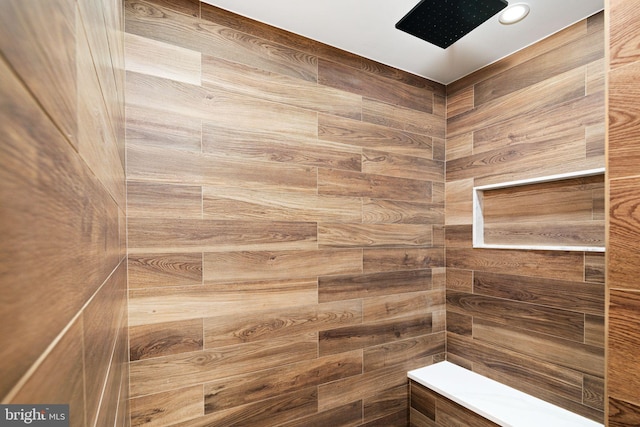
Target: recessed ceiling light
514, 13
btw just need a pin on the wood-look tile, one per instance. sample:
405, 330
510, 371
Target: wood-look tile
47, 191
236, 267
248, 80
393, 353
163, 339
344, 183
338, 235
449, 413
544, 67
459, 323
59, 379
147, 127
243, 143
372, 136
400, 76
46, 62
257, 325
164, 269
147, 56
423, 400
402, 118
345, 287
162, 374
384, 163
548, 93
568, 354
371, 334
623, 98
459, 146
179, 167
460, 280
623, 34
390, 402
554, 322
548, 264
622, 340
460, 102
158, 305
101, 320
459, 202
562, 294
346, 78
594, 331
160, 200
242, 389
349, 415
403, 305
392, 259
376, 211
166, 408
624, 232
595, 140
596, 72
594, 392
459, 236
622, 414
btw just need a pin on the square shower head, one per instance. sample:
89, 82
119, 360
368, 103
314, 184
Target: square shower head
443, 22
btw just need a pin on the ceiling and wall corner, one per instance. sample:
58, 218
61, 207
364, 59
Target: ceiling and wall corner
367, 28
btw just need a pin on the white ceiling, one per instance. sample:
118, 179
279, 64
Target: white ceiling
367, 28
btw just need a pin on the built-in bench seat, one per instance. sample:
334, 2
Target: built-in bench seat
482, 401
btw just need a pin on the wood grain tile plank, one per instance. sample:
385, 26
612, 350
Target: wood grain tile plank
242, 389
624, 232
403, 305
389, 354
565, 324
392, 259
260, 325
164, 269
158, 305
460, 102
345, 287
543, 67
568, 354
162, 374
581, 297
623, 34
449, 413
46, 62
623, 113
233, 266
338, 235
459, 236
596, 76
159, 200
551, 265
594, 331
594, 392
47, 191
575, 233
459, 324
376, 211
622, 414
156, 21
147, 56
150, 127
254, 82
166, 408
391, 403
564, 87
334, 74
460, 280
423, 401
163, 339
178, 167
383, 163
402, 118
622, 340
372, 136
243, 143
458, 196
400, 76
459, 146
353, 337
344, 183
349, 415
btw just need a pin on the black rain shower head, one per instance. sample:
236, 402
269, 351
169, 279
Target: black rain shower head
443, 22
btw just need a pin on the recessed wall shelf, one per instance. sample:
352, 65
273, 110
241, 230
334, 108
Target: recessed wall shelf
563, 212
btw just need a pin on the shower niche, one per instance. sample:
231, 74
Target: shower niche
562, 212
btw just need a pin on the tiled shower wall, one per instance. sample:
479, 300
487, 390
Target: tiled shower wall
286, 225
63, 317
529, 318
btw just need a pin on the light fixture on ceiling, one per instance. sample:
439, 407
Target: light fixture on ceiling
514, 13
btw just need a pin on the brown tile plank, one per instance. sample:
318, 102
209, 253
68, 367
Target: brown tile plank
623, 34
163, 339
402, 118
403, 305
345, 287
397, 352
460, 102
150, 127
338, 235
186, 369
624, 233
460, 280
159, 305
166, 408
164, 269
372, 136
349, 415
376, 211
623, 339
388, 403
594, 332
594, 392
239, 390
391, 259
383, 163
622, 414
161, 200
344, 183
